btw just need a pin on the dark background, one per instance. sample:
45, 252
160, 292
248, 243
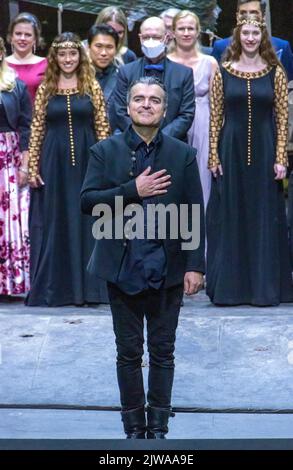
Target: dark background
281, 16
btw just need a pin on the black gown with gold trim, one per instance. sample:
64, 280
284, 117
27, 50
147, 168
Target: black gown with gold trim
248, 251
63, 130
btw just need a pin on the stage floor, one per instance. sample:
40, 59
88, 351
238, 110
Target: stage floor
227, 359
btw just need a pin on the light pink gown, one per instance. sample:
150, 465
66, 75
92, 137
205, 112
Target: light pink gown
14, 209
198, 134
14, 202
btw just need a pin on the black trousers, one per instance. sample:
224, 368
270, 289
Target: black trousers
161, 309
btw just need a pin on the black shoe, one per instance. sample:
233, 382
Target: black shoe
157, 426
156, 435
134, 423
135, 435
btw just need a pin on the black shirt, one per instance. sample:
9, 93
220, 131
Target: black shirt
144, 262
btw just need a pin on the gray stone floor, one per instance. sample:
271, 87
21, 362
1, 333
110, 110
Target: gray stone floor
20, 424
226, 358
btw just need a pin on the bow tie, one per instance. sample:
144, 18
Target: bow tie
159, 67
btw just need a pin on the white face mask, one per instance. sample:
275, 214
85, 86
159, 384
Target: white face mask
153, 48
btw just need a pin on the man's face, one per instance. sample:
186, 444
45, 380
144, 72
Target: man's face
250, 8
146, 106
153, 31
168, 20
102, 50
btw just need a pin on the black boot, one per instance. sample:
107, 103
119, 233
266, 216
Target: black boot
157, 425
134, 423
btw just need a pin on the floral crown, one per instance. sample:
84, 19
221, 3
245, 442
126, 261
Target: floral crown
251, 20
67, 45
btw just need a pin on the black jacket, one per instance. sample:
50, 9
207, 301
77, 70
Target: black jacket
18, 108
108, 81
179, 84
109, 174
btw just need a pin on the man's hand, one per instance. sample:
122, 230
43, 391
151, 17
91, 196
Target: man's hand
193, 282
152, 185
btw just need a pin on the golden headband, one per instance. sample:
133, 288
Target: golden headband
67, 45
258, 23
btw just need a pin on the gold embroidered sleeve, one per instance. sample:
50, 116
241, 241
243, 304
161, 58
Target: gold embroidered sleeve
216, 117
281, 113
37, 133
102, 126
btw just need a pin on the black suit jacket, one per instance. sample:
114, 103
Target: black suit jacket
108, 82
18, 109
179, 84
109, 174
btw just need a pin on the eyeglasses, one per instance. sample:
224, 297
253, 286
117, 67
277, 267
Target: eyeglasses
147, 37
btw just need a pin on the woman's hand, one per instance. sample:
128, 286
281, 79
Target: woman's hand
216, 170
36, 182
22, 177
280, 171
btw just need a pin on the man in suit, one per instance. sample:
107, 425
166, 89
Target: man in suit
103, 43
146, 275
282, 47
177, 78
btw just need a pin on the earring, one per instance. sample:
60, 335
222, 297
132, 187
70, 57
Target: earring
12, 48
34, 48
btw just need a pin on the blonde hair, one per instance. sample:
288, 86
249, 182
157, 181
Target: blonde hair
7, 74
183, 14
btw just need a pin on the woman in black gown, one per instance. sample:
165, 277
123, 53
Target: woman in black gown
69, 118
248, 252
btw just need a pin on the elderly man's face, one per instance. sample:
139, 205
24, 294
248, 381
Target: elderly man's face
146, 107
155, 31
168, 20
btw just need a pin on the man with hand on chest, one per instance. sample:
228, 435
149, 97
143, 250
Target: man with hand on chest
146, 275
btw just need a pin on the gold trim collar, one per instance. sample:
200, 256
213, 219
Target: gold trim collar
67, 91
248, 75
